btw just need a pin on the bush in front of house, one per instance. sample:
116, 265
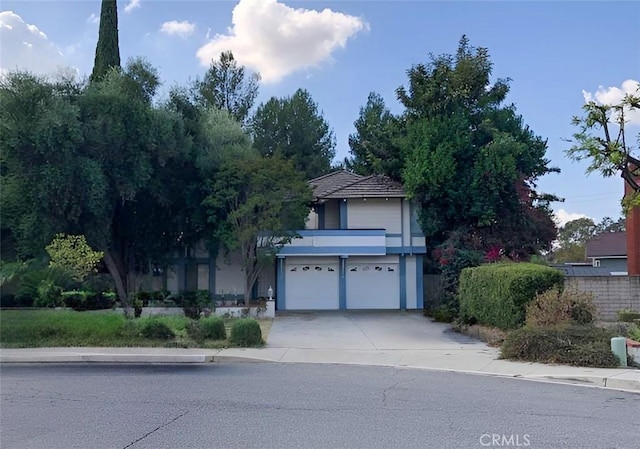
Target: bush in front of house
193, 303
556, 306
211, 328
156, 330
498, 294
577, 345
83, 300
246, 332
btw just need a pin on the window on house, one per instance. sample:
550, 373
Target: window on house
596, 263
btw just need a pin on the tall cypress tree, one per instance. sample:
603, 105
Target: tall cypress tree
107, 50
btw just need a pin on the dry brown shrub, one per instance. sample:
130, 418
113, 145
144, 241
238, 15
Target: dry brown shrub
555, 307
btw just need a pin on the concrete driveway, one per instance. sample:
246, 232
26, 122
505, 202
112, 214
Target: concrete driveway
364, 330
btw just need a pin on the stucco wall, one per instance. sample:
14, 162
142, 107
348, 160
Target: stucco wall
375, 213
611, 293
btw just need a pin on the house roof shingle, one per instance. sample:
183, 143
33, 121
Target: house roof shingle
608, 244
344, 184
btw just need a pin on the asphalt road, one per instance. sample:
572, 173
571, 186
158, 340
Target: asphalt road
263, 405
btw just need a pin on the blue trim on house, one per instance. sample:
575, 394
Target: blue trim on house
280, 289
403, 282
341, 233
333, 250
342, 289
343, 214
420, 281
407, 250
402, 222
321, 215
393, 235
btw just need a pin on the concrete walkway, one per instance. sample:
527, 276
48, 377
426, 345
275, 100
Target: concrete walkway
406, 340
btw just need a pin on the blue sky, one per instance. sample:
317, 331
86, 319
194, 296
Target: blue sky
342, 50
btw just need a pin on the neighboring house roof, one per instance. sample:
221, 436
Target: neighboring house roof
608, 244
344, 184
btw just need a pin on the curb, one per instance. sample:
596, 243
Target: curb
110, 358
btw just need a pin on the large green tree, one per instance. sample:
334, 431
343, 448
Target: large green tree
101, 160
107, 49
261, 199
374, 148
609, 153
294, 129
469, 160
228, 86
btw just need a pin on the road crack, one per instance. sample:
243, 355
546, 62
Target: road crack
156, 429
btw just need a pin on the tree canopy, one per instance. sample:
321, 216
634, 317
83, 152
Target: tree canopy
610, 153
294, 129
262, 199
229, 87
99, 160
373, 147
107, 49
466, 158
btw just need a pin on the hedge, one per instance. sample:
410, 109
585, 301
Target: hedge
497, 294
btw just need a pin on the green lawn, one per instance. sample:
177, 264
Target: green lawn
66, 328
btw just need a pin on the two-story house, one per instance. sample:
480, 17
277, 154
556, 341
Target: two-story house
362, 249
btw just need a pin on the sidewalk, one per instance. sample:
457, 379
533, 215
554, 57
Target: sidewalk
479, 359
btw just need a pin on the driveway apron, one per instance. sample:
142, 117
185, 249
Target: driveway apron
364, 330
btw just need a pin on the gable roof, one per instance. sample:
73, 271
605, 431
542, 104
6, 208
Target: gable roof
344, 184
608, 244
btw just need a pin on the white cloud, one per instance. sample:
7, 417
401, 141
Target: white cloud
562, 217
25, 47
93, 18
614, 95
133, 4
175, 28
277, 40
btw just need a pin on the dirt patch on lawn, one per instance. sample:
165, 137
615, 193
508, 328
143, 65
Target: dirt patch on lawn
490, 335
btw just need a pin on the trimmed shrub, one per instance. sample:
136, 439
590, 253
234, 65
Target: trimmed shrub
246, 332
81, 300
557, 306
628, 316
634, 332
497, 294
156, 330
207, 329
571, 345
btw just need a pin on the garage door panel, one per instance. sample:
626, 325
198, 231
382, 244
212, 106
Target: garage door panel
311, 286
373, 286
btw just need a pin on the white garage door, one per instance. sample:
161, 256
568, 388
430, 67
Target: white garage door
372, 285
311, 286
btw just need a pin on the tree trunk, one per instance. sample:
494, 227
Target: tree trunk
118, 279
